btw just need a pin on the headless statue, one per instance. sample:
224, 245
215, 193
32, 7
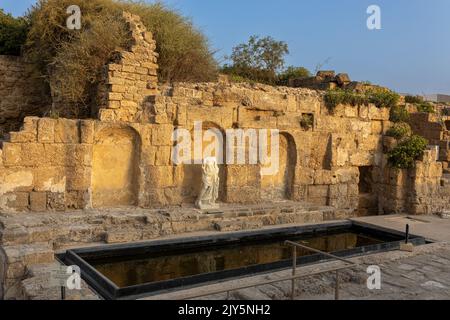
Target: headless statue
210, 185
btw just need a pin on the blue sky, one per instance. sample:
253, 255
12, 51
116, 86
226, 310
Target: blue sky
410, 54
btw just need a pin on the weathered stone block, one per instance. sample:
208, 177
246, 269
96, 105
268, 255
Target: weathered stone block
87, 131
38, 201
317, 191
22, 137
163, 156
18, 200
46, 130
162, 135
67, 131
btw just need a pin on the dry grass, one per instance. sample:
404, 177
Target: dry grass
71, 61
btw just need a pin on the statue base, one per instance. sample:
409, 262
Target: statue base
207, 206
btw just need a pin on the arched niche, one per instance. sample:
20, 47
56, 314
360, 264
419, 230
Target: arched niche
115, 167
279, 186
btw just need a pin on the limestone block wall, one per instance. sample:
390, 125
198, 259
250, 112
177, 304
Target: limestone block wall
124, 158
131, 78
21, 95
320, 164
436, 130
415, 191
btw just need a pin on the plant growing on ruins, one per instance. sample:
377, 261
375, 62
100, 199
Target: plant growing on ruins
13, 33
260, 59
407, 152
307, 121
399, 131
413, 99
383, 98
335, 97
425, 107
71, 61
292, 72
399, 114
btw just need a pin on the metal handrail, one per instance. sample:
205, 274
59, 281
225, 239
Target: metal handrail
291, 278
296, 245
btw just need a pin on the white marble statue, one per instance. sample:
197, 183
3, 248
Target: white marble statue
210, 185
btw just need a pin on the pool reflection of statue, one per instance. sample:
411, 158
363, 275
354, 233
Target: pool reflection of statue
210, 185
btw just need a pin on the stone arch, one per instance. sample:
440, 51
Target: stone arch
280, 186
115, 167
193, 173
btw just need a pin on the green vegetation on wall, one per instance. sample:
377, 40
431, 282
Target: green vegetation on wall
399, 131
379, 97
399, 114
407, 152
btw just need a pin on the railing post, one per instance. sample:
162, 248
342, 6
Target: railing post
294, 270
336, 293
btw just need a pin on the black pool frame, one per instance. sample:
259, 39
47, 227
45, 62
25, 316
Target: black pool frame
110, 291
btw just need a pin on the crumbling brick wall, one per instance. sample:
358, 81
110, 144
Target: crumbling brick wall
131, 79
21, 94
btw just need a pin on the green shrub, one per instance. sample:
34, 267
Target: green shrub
334, 97
446, 111
383, 98
407, 152
399, 131
13, 34
292, 73
380, 98
399, 114
73, 60
307, 121
425, 107
413, 99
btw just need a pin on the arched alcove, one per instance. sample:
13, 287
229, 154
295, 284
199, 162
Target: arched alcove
193, 173
115, 168
279, 186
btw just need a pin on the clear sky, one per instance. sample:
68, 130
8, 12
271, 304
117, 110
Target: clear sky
411, 53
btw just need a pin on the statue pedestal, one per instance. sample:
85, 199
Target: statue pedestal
207, 206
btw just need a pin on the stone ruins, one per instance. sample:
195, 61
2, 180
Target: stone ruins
67, 182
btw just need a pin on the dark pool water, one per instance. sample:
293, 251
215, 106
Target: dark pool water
149, 269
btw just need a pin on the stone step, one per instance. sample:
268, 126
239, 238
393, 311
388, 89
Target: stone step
39, 285
17, 259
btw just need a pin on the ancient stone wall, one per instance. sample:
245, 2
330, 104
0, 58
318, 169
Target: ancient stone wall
131, 78
21, 94
436, 130
420, 190
125, 158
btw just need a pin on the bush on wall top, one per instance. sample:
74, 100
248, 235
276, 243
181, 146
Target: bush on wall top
13, 33
407, 152
73, 60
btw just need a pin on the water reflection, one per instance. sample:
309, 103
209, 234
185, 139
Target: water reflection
152, 269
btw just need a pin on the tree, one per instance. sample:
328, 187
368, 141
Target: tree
260, 59
293, 73
13, 33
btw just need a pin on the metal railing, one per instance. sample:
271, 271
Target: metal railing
296, 245
292, 278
